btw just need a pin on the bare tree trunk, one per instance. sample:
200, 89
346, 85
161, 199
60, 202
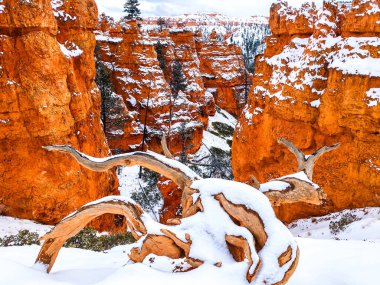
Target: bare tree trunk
179, 173
307, 163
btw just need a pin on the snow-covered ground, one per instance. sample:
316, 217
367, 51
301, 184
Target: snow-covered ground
359, 224
338, 249
323, 259
327, 262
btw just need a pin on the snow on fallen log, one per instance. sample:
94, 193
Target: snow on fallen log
223, 221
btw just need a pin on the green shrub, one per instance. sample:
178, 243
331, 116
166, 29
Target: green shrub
90, 239
23, 237
86, 239
222, 130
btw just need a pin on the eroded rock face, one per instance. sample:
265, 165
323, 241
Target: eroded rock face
317, 86
224, 73
48, 96
131, 59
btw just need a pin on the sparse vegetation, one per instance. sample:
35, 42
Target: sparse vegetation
341, 224
86, 239
149, 196
23, 237
222, 130
90, 239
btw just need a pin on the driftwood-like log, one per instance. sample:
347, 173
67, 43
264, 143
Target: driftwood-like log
300, 191
74, 223
306, 163
168, 243
180, 174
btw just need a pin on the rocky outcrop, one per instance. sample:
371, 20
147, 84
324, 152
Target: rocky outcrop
138, 81
316, 84
48, 96
224, 73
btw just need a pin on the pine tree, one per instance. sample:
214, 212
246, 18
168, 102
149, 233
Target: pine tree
177, 84
110, 103
161, 22
178, 81
131, 7
159, 47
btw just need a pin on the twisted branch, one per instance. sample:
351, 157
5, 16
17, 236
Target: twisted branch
307, 163
179, 173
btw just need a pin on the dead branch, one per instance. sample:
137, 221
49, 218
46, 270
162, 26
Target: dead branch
312, 159
165, 148
74, 223
300, 156
307, 163
180, 174
300, 191
255, 182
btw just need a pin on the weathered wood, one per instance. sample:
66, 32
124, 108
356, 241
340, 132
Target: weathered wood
154, 162
168, 244
312, 159
300, 191
246, 218
73, 224
300, 156
307, 163
255, 182
240, 250
165, 148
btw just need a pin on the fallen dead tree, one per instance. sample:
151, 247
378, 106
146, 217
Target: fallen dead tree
220, 219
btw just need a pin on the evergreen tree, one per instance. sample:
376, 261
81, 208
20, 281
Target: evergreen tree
103, 81
161, 22
177, 84
178, 81
111, 104
161, 55
131, 7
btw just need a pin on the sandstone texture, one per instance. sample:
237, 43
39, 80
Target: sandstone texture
48, 96
224, 73
318, 83
144, 92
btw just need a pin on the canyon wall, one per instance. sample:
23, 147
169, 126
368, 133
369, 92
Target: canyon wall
48, 96
317, 84
224, 73
145, 95
137, 72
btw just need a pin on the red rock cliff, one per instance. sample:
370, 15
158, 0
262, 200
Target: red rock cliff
317, 84
224, 73
131, 58
48, 96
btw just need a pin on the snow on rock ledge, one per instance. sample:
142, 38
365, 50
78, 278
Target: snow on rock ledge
316, 84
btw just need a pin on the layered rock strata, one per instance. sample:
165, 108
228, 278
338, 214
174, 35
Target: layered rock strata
48, 96
317, 84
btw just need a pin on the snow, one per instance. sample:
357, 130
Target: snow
274, 186
327, 262
242, 194
373, 96
11, 226
108, 38
363, 224
300, 176
170, 162
70, 49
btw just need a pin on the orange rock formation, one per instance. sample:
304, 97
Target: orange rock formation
131, 58
224, 73
317, 84
48, 96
